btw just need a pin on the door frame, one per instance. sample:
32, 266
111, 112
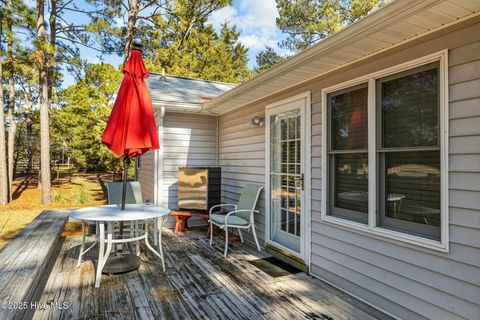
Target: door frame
305, 239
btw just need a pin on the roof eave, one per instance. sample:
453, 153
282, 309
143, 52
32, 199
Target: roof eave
393, 11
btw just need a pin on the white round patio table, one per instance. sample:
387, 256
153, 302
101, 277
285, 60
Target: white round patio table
110, 214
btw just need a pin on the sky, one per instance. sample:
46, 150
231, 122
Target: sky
255, 19
256, 22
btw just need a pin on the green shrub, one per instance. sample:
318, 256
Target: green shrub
81, 195
59, 196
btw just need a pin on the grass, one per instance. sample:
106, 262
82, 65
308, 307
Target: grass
59, 197
81, 195
68, 192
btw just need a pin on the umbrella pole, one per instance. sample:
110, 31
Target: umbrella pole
126, 165
123, 262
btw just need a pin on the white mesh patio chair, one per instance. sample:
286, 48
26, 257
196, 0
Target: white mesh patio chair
241, 217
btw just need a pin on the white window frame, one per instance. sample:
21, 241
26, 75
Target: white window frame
372, 229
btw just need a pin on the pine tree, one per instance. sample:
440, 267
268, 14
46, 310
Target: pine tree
204, 54
42, 47
81, 113
3, 153
308, 21
267, 59
12, 125
176, 37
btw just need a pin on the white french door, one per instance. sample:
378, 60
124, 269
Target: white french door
286, 167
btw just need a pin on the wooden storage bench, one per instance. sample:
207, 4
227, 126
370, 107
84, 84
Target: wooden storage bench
26, 261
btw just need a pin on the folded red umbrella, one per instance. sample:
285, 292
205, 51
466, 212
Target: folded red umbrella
131, 129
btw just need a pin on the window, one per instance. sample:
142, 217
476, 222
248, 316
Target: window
348, 153
385, 154
409, 151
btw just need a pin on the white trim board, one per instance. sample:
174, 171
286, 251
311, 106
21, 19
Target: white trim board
372, 229
158, 161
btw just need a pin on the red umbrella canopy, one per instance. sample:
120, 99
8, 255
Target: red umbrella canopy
131, 129
358, 128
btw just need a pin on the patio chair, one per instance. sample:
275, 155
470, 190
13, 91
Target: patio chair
133, 196
242, 217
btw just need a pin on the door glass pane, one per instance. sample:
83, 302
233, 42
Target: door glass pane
283, 219
348, 112
413, 186
409, 107
351, 182
291, 151
292, 127
285, 164
284, 128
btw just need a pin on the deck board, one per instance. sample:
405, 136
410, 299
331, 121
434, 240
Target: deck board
198, 284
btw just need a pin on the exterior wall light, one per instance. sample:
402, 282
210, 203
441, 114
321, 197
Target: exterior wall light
257, 121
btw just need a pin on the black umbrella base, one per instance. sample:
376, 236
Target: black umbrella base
121, 264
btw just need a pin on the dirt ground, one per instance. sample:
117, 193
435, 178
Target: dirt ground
68, 192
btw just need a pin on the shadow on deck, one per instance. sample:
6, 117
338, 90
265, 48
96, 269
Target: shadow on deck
198, 284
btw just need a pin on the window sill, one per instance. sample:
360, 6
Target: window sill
386, 234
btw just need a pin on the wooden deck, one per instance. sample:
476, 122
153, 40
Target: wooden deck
198, 284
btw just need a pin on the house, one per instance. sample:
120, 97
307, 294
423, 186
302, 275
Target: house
369, 151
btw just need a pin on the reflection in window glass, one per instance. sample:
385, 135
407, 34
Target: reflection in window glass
410, 176
351, 182
413, 187
410, 110
348, 181
349, 119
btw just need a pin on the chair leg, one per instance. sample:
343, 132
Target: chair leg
240, 234
211, 234
226, 241
255, 237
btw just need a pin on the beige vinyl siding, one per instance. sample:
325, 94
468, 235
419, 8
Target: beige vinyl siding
241, 154
188, 140
405, 280
146, 173
146, 176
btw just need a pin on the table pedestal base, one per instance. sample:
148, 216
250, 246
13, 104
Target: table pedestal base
121, 264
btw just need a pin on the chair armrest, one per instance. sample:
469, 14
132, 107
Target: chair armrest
236, 211
221, 205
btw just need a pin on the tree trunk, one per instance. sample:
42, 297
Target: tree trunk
133, 7
29, 124
3, 153
11, 99
53, 39
44, 105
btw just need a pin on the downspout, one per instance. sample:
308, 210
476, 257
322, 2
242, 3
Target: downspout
158, 161
216, 144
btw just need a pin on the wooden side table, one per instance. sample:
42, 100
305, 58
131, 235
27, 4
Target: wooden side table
181, 219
